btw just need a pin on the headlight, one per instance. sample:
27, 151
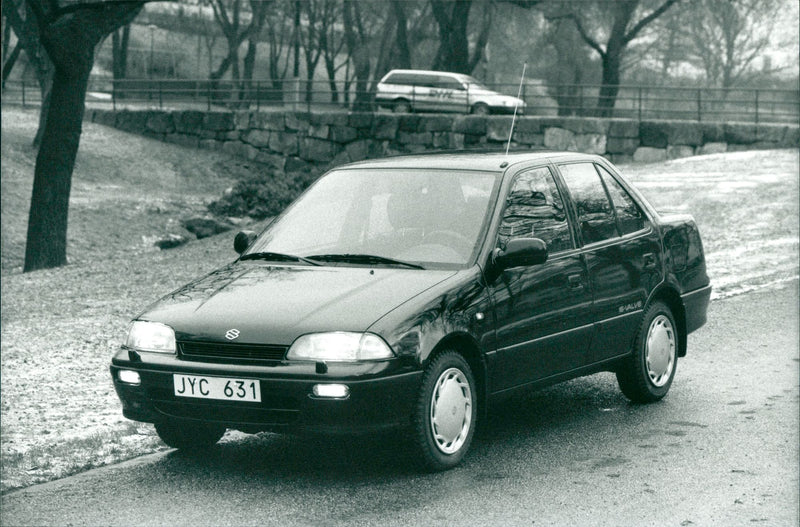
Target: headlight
151, 336
339, 346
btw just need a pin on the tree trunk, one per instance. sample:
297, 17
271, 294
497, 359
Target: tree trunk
452, 17
47, 221
9, 61
119, 40
403, 57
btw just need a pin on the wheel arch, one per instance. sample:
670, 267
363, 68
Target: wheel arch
672, 299
466, 346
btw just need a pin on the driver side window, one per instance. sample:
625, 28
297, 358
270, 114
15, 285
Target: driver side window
534, 209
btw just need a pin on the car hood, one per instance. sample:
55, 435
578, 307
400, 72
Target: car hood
275, 304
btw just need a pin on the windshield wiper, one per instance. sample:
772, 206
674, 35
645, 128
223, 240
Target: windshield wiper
278, 257
363, 259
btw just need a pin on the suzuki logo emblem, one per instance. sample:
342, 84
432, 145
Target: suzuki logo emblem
232, 334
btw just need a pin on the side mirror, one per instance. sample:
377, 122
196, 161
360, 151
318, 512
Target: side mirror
521, 251
243, 240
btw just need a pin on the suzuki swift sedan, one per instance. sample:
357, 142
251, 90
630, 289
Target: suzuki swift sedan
406, 293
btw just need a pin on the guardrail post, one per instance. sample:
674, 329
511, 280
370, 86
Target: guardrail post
114, 94
208, 99
757, 107
160, 98
640, 104
258, 96
699, 105
467, 108
23, 94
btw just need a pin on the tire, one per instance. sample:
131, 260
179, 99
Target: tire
446, 412
189, 436
480, 109
647, 374
401, 106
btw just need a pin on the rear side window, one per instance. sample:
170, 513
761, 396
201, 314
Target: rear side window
595, 216
534, 209
629, 216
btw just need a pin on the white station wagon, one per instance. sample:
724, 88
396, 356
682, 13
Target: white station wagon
405, 91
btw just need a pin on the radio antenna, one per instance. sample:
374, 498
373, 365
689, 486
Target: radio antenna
514, 119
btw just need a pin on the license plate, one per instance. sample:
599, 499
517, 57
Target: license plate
223, 388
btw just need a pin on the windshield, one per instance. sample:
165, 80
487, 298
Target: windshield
425, 217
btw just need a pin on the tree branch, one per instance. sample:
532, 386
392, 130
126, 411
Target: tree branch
630, 35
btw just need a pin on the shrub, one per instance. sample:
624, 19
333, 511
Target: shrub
263, 195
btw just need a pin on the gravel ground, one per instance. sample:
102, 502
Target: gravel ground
60, 414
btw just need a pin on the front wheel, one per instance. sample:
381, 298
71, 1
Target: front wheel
446, 412
189, 436
480, 109
646, 376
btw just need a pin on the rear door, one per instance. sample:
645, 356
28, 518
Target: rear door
542, 312
622, 252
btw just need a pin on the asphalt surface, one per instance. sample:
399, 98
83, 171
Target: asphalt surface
721, 449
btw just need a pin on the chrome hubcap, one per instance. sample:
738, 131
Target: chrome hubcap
660, 351
451, 410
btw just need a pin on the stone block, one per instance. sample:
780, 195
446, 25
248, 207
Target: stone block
623, 128
385, 126
230, 135
319, 131
241, 119
257, 138
421, 138
318, 150
360, 120
771, 133
131, 121
267, 121
284, 142
469, 124
219, 121
239, 149
712, 132
328, 119
188, 122
713, 148
409, 123
684, 133
527, 125
741, 134
297, 121
526, 138
441, 139
591, 143
559, 139
678, 151
621, 159
622, 145
437, 123
456, 141
160, 123
498, 128
653, 134
104, 117
343, 134
295, 164
648, 154
791, 138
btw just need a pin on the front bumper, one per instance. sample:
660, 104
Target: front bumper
382, 395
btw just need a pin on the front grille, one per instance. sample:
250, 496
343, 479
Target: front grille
221, 351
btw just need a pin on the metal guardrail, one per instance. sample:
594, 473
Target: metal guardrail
633, 102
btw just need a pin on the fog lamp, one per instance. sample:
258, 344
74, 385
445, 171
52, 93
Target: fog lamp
331, 391
129, 377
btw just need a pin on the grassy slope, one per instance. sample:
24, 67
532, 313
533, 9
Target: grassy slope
127, 190
60, 327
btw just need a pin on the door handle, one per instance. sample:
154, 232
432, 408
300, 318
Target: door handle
575, 281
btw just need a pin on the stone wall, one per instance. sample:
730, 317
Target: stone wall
293, 140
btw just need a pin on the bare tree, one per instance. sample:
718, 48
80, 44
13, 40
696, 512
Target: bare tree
119, 51
452, 16
725, 37
229, 15
625, 26
69, 33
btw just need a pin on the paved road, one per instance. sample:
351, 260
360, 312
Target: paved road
721, 449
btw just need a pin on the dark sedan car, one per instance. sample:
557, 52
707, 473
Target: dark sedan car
407, 293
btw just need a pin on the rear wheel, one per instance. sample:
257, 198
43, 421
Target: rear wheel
402, 106
189, 436
647, 375
480, 109
446, 412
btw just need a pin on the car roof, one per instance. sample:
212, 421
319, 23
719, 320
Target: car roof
464, 160
428, 72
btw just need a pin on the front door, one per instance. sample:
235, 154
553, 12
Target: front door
541, 311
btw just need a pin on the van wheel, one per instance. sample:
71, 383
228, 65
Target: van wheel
402, 106
480, 109
446, 412
647, 374
189, 436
